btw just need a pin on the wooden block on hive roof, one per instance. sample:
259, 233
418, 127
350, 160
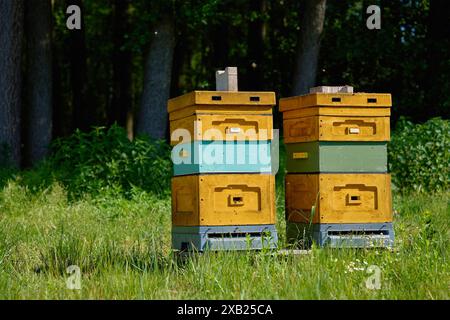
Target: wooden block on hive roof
331, 89
226, 80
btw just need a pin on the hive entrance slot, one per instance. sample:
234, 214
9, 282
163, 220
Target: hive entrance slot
234, 235
358, 233
237, 199
216, 98
354, 198
255, 99
335, 99
371, 100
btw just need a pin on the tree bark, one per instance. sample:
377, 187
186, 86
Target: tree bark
311, 29
220, 46
217, 57
256, 48
153, 119
83, 112
437, 41
11, 32
39, 79
121, 100
181, 52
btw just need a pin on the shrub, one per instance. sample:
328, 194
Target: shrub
106, 159
6, 173
419, 155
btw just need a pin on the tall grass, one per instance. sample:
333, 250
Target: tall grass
122, 246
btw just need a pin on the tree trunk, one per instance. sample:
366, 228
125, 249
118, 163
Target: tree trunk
437, 47
121, 100
83, 112
39, 79
256, 48
158, 68
220, 36
309, 45
11, 31
62, 93
217, 57
179, 58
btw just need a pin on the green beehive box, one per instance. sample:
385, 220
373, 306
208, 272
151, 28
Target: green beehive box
334, 157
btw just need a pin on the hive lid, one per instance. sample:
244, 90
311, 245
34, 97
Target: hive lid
221, 98
367, 100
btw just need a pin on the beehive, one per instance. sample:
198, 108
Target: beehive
337, 179
223, 186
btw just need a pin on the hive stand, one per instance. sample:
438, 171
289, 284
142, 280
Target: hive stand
353, 235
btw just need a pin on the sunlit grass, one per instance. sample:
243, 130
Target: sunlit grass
123, 249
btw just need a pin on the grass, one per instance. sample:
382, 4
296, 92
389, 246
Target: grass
123, 249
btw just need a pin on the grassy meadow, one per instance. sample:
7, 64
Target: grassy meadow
102, 203
122, 246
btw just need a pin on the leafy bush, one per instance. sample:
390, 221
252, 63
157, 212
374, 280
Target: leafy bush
419, 155
6, 173
104, 160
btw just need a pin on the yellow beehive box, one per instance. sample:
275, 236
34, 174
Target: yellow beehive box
221, 200
338, 198
234, 115
361, 99
336, 117
332, 128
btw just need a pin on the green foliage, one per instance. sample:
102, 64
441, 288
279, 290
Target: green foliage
419, 155
212, 34
386, 60
6, 173
106, 159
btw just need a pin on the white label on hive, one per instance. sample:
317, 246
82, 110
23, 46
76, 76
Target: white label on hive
234, 130
354, 130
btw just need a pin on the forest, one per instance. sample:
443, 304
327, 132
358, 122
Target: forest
129, 57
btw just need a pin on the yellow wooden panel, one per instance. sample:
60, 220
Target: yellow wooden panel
373, 100
354, 129
221, 199
325, 128
220, 109
225, 127
221, 98
339, 111
302, 194
301, 129
338, 198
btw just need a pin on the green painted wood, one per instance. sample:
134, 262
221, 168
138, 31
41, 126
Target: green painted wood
345, 157
223, 157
